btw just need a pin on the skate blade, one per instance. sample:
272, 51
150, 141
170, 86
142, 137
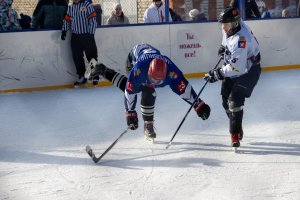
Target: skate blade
236, 150
95, 85
148, 139
89, 150
85, 85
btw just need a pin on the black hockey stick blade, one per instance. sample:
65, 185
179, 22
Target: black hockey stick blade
169, 144
187, 113
89, 150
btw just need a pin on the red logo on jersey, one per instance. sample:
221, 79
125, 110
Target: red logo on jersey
181, 86
137, 72
129, 86
242, 42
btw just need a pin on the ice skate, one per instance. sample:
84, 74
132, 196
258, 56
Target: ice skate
89, 68
95, 82
81, 82
235, 142
149, 132
241, 134
97, 70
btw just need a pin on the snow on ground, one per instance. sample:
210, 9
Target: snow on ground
43, 137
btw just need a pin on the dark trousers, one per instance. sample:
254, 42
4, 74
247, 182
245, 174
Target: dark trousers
148, 103
234, 91
148, 96
83, 43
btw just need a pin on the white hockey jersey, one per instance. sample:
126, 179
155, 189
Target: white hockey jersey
156, 15
241, 49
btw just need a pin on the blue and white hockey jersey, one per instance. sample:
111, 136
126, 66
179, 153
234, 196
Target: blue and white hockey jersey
141, 56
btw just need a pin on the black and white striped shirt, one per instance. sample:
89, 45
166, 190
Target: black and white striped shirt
80, 18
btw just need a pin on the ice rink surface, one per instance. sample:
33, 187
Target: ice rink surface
43, 137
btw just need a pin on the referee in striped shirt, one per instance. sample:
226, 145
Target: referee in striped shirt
81, 20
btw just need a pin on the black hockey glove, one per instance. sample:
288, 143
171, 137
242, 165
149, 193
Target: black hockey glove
132, 119
202, 109
213, 75
221, 51
63, 35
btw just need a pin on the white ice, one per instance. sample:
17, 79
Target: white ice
43, 137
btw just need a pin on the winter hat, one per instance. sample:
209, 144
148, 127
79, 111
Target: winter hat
193, 13
118, 6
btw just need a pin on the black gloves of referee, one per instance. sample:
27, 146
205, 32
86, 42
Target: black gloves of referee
63, 35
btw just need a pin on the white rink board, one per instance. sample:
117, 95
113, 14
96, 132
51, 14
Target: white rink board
278, 39
114, 43
41, 58
195, 46
35, 59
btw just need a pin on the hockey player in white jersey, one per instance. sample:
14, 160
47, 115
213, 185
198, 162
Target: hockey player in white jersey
240, 70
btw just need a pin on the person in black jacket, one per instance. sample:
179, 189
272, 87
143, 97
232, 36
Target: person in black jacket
196, 16
25, 21
98, 10
49, 14
252, 10
298, 9
175, 16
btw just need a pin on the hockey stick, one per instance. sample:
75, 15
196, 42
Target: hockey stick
196, 99
89, 150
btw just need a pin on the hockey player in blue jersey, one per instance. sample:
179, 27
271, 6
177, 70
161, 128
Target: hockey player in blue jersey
148, 69
240, 71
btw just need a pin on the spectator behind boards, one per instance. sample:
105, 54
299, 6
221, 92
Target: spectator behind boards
265, 13
98, 11
81, 20
175, 16
155, 13
285, 13
117, 16
196, 16
25, 21
298, 9
49, 14
251, 8
8, 17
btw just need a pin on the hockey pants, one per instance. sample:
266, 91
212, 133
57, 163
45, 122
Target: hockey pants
234, 91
